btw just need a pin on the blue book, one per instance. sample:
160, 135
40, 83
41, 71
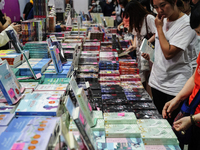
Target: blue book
56, 59
38, 108
5, 119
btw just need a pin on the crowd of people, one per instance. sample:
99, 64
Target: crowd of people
173, 26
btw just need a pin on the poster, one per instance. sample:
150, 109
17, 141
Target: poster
11, 8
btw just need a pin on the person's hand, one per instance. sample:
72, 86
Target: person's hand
130, 49
16, 27
118, 27
159, 21
63, 27
7, 19
170, 107
145, 56
182, 124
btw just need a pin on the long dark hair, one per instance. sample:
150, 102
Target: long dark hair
136, 13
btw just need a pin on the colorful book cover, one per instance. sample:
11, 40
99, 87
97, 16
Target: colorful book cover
62, 93
100, 136
158, 136
5, 119
122, 130
9, 84
97, 114
120, 118
38, 107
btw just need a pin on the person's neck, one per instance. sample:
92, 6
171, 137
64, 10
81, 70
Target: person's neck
176, 15
188, 11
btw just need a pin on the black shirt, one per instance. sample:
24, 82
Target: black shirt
27, 9
3, 21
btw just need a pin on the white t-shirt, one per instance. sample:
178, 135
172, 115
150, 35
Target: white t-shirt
3, 36
169, 76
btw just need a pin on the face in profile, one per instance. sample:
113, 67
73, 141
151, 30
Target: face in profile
197, 30
163, 8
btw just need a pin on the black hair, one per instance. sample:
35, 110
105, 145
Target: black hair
171, 2
146, 3
136, 13
195, 17
123, 2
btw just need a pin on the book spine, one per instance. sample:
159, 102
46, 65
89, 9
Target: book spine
9, 101
35, 113
85, 110
84, 134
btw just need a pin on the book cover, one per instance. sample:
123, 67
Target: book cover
120, 118
100, 136
85, 106
122, 130
5, 119
84, 129
147, 47
38, 107
9, 84
122, 143
162, 147
99, 126
56, 58
29, 85
5, 108
53, 87
158, 136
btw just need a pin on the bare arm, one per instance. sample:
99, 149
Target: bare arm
152, 39
181, 96
168, 50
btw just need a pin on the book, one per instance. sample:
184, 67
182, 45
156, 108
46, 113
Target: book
5, 119
29, 85
153, 123
5, 108
19, 49
56, 58
147, 47
122, 143
122, 131
53, 87
84, 129
85, 106
120, 118
158, 136
9, 84
99, 126
39, 105
162, 147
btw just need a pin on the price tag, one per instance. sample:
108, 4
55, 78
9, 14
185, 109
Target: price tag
11, 93
18, 146
57, 51
121, 114
109, 72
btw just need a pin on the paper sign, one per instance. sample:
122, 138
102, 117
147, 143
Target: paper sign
121, 114
11, 93
18, 146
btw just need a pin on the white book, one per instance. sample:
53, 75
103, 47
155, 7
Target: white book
147, 47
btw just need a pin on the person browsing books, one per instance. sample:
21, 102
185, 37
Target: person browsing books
142, 25
3, 36
174, 45
190, 90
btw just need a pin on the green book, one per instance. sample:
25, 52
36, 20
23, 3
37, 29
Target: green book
56, 81
122, 131
153, 123
99, 126
40, 80
120, 118
97, 114
158, 136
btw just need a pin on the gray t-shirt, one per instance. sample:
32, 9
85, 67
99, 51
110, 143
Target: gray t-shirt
169, 76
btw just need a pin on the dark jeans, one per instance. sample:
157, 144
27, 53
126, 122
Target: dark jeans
195, 142
159, 99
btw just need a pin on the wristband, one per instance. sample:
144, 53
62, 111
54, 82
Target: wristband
193, 119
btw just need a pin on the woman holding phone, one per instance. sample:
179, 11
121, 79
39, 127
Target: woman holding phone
174, 48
